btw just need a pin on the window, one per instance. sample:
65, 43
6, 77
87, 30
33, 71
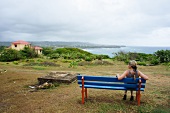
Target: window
15, 45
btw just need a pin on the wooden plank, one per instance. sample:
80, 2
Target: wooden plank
109, 87
109, 79
116, 84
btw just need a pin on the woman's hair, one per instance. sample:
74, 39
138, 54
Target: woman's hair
133, 64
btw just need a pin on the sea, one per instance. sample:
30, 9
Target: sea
110, 51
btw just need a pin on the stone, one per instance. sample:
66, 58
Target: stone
58, 77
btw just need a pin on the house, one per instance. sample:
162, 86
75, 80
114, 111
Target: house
20, 44
38, 50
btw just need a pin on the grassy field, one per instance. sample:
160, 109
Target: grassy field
17, 97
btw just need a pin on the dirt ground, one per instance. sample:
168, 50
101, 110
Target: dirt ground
17, 97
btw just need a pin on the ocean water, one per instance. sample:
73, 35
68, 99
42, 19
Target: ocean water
110, 51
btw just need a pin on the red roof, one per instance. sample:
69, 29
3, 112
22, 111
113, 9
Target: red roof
21, 42
37, 48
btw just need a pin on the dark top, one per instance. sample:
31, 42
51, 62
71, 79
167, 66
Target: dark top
130, 75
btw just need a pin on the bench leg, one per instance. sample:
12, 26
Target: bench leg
82, 91
139, 96
138, 93
86, 93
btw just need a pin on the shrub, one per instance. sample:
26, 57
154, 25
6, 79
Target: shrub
141, 63
47, 50
88, 58
163, 55
2, 48
16, 62
154, 61
10, 55
121, 56
73, 64
54, 56
28, 52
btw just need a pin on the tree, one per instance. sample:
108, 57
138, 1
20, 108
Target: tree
28, 52
47, 50
163, 55
10, 55
2, 48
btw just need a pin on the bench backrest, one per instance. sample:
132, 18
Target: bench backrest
111, 82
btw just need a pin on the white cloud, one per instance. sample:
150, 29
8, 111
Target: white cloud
98, 21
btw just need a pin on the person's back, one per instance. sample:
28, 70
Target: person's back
132, 72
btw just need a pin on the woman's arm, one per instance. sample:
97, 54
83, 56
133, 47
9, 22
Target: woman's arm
122, 76
143, 75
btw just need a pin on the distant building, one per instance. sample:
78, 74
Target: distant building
20, 44
38, 50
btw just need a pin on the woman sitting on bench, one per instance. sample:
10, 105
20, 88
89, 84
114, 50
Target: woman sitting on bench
132, 72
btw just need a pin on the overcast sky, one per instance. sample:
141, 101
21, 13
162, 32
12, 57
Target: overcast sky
115, 22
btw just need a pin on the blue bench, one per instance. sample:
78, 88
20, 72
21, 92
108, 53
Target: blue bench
111, 83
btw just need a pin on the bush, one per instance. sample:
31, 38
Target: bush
141, 63
163, 56
88, 58
73, 64
10, 55
142, 58
2, 48
154, 61
121, 56
16, 62
54, 56
28, 52
47, 50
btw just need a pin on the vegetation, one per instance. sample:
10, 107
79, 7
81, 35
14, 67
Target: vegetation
8, 55
2, 48
77, 56
28, 52
161, 56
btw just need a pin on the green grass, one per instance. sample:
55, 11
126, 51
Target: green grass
108, 108
67, 98
160, 109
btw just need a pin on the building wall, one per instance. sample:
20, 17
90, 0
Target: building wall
38, 51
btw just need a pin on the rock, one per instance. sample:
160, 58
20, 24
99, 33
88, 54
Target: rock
58, 77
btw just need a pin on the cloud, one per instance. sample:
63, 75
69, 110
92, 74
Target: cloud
98, 21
